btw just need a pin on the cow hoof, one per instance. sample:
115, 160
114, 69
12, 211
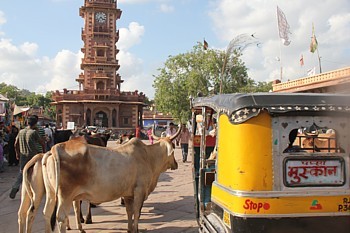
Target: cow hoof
82, 220
68, 228
88, 221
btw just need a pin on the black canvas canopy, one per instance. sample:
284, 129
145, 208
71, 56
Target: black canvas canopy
240, 107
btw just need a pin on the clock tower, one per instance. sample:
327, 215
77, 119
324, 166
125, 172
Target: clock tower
99, 100
100, 36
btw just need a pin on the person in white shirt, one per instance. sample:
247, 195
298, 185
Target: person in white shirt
49, 137
170, 131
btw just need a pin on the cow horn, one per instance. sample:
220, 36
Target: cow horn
176, 134
311, 134
153, 133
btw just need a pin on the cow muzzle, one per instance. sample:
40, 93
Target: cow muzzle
174, 166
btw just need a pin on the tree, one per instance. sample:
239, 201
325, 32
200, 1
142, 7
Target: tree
202, 71
26, 98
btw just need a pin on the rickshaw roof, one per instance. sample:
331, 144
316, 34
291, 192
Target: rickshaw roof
275, 102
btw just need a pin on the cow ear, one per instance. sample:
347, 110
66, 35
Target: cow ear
170, 148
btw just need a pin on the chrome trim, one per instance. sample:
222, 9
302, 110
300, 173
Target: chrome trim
327, 214
299, 193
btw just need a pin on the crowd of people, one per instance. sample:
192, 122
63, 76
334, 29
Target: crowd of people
18, 146
22, 144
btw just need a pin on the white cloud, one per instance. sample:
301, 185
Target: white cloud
19, 66
128, 37
2, 18
165, 8
131, 67
331, 19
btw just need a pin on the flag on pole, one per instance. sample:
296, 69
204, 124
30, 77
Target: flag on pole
313, 44
311, 72
205, 45
283, 27
301, 60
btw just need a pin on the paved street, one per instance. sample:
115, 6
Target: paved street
168, 209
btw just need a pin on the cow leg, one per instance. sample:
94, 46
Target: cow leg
138, 203
82, 220
129, 206
37, 197
48, 211
22, 211
62, 216
77, 213
68, 224
88, 215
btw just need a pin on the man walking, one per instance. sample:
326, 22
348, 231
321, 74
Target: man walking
184, 139
26, 148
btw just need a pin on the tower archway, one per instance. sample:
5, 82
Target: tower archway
101, 119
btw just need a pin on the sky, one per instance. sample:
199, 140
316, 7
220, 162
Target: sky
40, 41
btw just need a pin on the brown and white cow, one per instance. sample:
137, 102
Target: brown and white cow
33, 191
78, 171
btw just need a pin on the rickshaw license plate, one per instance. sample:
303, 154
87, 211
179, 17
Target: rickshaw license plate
314, 172
226, 218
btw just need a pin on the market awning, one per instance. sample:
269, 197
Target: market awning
19, 109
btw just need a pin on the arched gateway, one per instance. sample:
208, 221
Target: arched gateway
99, 100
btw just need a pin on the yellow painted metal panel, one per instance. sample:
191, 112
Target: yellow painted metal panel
245, 154
288, 205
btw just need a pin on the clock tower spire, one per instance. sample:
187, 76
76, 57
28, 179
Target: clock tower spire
99, 100
100, 36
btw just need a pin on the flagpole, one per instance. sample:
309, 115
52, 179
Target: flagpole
314, 46
279, 45
283, 31
319, 60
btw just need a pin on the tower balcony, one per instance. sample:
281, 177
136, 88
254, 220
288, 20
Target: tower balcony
101, 75
101, 3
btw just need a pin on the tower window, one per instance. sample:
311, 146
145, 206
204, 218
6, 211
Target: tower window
100, 53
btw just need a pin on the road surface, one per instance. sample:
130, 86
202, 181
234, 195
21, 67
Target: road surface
169, 209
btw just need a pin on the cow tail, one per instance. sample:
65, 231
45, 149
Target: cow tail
57, 169
53, 217
28, 169
55, 156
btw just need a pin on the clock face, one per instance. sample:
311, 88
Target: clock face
100, 17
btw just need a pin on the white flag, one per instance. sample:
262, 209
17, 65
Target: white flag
283, 27
311, 72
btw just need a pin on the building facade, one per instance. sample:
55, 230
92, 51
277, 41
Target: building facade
336, 81
99, 100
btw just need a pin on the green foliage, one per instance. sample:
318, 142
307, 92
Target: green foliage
202, 71
26, 98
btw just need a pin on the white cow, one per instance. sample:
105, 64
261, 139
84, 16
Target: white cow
33, 190
78, 171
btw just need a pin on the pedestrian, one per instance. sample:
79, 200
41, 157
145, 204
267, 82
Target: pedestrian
150, 137
48, 137
26, 148
170, 131
183, 139
11, 146
1, 156
138, 132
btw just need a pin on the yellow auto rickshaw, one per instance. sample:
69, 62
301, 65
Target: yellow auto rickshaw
272, 162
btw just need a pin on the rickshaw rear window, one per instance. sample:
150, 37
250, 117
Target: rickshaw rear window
313, 139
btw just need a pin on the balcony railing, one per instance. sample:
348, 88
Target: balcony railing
316, 79
76, 95
105, 3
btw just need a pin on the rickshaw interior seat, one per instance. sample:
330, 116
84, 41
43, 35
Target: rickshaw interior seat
209, 178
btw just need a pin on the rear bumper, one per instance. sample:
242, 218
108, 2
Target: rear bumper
321, 224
